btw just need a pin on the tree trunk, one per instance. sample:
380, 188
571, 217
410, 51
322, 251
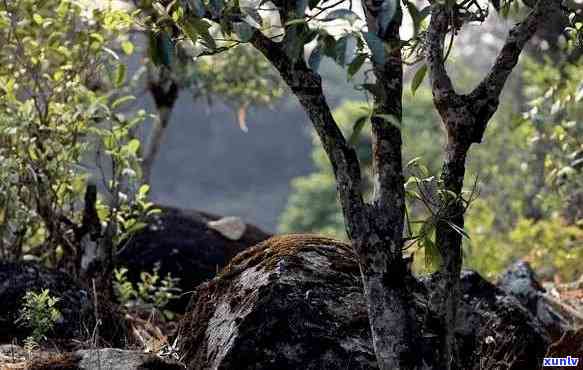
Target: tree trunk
449, 244
386, 280
155, 142
164, 91
465, 118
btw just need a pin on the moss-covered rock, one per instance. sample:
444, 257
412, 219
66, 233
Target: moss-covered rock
296, 302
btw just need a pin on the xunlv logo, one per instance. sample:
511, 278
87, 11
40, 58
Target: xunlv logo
560, 361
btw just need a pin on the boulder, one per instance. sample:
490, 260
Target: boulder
104, 358
188, 244
18, 278
296, 301
520, 281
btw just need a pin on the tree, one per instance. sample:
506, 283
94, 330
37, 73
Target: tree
465, 118
63, 120
376, 228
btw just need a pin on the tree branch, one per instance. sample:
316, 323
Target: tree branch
307, 87
492, 85
389, 194
441, 84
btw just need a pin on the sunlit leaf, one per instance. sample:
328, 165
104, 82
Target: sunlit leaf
418, 78
357, 129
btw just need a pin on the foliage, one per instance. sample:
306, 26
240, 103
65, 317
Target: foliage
40, 313
151, 292
62, 103
540, 152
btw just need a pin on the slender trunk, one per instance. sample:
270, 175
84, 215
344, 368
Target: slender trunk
164, 91
537, 168
155, 142
449, 244
386, 276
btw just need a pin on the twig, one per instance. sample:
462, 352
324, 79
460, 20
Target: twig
568, 309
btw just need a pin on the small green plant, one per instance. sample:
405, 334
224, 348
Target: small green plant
39, 313
151, 292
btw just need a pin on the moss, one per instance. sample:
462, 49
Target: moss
269, 252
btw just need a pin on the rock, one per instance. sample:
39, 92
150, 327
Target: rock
74, 303
184, 245
291, 302
11, 353
296, 301
494, 331
105, 358
520, 281
232, 228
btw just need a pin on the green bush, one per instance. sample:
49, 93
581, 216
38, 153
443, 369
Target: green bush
39, 313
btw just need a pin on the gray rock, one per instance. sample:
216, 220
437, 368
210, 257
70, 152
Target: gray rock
296, 302
520, 281
102, 359
118, 359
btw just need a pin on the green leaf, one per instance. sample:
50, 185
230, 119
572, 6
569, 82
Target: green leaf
127, 47
345, 14
135, 227
459, 230
243, 30
143, 191
355, 65
357, 129
161, 48
313, 3
133, 145
120, 75
432, 255
202, 28
418, 78
388, 9
121, 101
38, 19
166, 48
389, 118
